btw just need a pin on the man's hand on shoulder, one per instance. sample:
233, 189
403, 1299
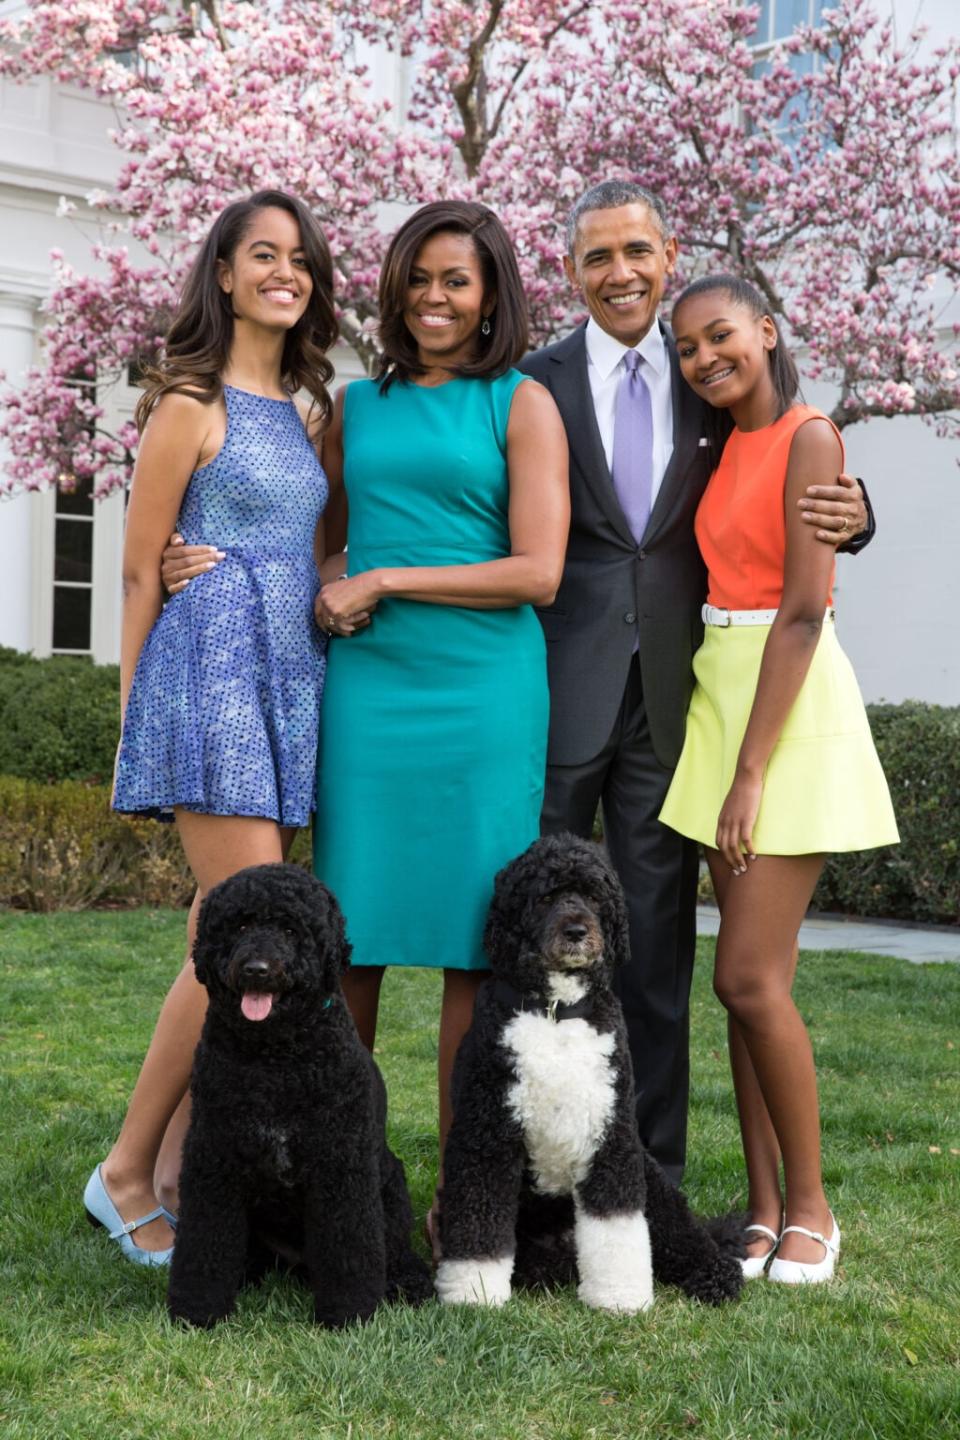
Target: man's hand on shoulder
837, 510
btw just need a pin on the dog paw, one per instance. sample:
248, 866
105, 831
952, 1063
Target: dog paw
413, 1285
613, 1258
621, 1299
474, 1282
339, 1319
197, 1319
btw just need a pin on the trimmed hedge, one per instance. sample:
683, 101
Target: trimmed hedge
919, 879
59, 718
61, 846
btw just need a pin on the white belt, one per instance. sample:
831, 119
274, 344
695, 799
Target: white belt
713, 615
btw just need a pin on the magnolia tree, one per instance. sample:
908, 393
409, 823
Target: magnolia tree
825, 169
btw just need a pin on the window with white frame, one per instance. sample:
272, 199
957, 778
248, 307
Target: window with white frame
73, 563
779, 18
73, 571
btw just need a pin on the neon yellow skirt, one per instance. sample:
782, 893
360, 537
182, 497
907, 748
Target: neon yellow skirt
823, 789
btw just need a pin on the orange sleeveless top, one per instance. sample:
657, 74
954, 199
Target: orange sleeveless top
741, 524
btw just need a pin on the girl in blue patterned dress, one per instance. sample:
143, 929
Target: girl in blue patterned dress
221, 688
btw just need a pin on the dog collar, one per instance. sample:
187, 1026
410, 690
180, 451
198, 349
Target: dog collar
515, 999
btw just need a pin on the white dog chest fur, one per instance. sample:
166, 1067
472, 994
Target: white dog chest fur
563, 1096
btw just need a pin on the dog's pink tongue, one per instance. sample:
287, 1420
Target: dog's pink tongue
255, 1005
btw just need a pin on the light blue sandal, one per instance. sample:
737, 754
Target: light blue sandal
102, 1212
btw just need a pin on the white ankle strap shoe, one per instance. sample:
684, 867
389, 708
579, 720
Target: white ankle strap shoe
800, 1272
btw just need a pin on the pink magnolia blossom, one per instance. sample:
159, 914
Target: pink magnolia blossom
828, 174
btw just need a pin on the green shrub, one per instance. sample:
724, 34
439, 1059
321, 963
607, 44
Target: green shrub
59, 718
63, 848
919, 879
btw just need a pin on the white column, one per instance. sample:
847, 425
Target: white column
17, 311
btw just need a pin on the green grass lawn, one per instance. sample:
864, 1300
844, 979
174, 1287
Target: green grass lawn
86, 1349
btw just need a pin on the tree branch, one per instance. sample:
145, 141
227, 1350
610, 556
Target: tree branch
518, 72
469, 94
211, 9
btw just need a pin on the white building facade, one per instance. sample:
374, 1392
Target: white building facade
60, 554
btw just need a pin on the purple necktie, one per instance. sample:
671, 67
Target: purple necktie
632, 466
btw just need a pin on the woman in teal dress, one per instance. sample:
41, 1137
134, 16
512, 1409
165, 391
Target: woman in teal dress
453, 467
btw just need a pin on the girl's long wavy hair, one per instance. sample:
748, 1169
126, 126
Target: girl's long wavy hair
197, 345
783, 370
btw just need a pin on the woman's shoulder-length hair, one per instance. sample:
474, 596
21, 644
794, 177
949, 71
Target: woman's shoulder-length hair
508, 339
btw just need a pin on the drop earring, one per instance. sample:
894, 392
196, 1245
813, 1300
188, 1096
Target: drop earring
485, 328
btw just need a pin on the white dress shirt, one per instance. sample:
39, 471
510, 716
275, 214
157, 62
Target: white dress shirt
606, 369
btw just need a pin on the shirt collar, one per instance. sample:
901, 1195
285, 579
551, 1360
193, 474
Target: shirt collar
605, 353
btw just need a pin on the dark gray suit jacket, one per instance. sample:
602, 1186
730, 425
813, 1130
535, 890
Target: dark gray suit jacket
611, 586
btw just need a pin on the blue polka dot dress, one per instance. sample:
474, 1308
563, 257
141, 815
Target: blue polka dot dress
223, 713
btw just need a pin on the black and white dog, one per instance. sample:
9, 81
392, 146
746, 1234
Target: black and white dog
543, 1165
286, 1154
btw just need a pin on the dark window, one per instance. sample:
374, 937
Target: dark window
71, 617
78, 501
73, 550
73, 559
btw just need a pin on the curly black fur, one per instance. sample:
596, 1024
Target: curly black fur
554, 869
558, 910
286, 1152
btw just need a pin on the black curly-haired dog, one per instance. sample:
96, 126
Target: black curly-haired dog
544, 1172
286, 1152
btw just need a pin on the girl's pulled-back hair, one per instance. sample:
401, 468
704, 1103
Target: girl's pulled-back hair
197, 345
509, 327
783, 371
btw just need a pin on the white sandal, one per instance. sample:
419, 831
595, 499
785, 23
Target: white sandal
801, 1272
754, 1265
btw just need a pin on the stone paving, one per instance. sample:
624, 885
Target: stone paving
877, 937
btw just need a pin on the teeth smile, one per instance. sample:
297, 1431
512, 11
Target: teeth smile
435, 319
282, 297
716, 376
630, 299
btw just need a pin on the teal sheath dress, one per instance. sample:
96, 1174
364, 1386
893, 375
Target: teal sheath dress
434, 724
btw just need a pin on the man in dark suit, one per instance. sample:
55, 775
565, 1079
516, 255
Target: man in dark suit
626, 620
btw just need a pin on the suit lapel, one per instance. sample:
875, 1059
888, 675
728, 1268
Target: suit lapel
687, 430
571, 390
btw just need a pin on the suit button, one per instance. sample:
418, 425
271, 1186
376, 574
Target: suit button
630, 618
642, 554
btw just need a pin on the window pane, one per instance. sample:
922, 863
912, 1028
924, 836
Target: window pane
78, 501
763, 23
791, 13
73, 550
71, 619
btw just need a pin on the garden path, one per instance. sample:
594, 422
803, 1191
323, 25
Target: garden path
919, 943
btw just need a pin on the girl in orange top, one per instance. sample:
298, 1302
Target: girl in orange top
778, 765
